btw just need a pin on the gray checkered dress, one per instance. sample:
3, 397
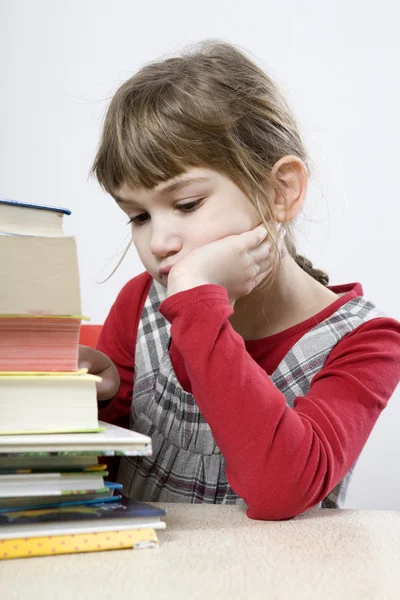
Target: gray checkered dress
186, 465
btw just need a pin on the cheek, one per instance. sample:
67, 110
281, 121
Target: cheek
142, 249
224, 224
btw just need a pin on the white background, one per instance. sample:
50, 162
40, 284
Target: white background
337, 63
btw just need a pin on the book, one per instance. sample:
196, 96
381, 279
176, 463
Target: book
28, 502
50, 484
127, 514
39, 343
54, 503
53, 496
137, 539
48, 403
112, 441
46, 463
39, 276
29, 471
31, 219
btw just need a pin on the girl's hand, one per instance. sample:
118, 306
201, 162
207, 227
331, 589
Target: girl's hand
99, 364
238, 262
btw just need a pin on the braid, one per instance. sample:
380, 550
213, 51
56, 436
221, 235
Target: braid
307, 266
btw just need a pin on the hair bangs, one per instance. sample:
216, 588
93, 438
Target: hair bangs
142, 147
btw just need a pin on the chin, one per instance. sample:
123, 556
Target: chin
160, 280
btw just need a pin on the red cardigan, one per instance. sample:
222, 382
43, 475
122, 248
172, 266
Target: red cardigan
280, 460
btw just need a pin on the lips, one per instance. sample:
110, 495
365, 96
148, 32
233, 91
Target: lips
163, 272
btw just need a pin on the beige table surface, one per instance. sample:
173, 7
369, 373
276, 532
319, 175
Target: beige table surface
216, 552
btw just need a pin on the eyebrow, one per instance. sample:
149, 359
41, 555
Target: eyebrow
168, 188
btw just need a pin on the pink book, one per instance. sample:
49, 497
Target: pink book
39, 343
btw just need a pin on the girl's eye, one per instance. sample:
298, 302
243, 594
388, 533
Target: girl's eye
190, 206
139, 220
186, 208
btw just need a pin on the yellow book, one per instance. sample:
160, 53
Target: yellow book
44, 316
43, 373
73, 544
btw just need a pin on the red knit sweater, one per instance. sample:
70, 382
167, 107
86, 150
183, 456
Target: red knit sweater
280, 460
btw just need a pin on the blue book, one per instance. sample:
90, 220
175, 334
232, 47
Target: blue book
25, 218
98, 500
19, 204
126, 514
39, 502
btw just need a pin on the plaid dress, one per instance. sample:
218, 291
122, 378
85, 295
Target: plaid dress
186, 464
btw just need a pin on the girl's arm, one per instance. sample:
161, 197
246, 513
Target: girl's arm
282, 460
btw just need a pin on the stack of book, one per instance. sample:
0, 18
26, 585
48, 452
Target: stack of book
54, 497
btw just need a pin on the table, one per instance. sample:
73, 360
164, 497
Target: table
215, 552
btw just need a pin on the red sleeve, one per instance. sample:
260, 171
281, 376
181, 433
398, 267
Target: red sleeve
118, 340
282, 460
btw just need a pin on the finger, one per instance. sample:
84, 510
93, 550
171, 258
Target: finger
260, 234
261, 252
261, 276
109, 385
262, 266
84, 361
254, 237
93, 360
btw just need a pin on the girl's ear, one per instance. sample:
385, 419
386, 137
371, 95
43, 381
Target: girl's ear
291, 175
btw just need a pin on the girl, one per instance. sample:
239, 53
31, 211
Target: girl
255, 380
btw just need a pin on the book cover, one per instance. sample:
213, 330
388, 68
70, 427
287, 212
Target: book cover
78, 502
28, 502
51, 469
52, 488
127, 509
53, 431
71, 544
43, 373
19, 204
75, 527
72, 463
24, 218
46, 476
112, 441
50, 455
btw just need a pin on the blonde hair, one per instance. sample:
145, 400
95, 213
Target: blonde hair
210, 107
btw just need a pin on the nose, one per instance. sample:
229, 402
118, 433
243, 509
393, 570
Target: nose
164, 240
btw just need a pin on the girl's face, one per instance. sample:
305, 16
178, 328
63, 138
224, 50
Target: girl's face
183, 213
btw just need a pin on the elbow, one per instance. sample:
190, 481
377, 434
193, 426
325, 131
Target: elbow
268, 513
280, 508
